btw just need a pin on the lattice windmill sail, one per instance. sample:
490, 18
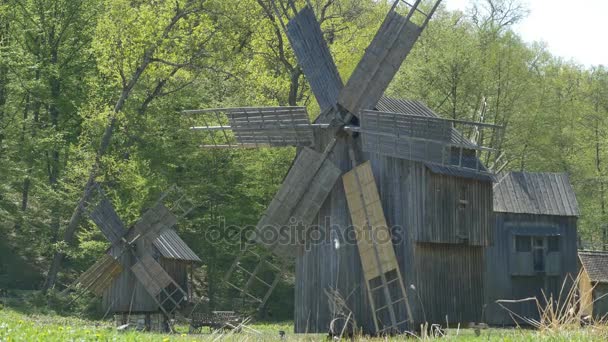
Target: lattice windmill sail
133, 250
348, 112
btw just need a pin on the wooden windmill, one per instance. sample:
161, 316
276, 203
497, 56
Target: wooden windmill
348, 130
130, 275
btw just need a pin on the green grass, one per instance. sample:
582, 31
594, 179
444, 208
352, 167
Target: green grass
16, 326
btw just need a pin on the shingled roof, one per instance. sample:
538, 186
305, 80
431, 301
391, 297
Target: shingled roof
535, 193
171, 246
596, 265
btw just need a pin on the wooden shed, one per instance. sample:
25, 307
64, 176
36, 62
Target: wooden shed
128, 299
593, 284
440, 219
535, 242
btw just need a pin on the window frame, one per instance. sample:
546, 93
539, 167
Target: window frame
519, 237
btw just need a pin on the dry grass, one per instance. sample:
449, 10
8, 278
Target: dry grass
559, 321
562, 315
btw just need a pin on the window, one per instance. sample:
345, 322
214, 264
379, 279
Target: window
553, 244
534, 254
539, 254
463, 201
523, 243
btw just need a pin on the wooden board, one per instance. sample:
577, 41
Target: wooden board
99, 276
314, 57
305, 188
411, 137
369, 222
151, 275
108, 221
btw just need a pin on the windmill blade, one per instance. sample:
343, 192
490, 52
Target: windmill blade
107, 220
384, 283
158, 283
304, 189
99, 276
151, 275
256, 126
314, 57
382, 59
152, 223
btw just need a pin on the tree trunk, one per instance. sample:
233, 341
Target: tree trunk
294, 86
4, 27
598, 169
70, 230
127, 87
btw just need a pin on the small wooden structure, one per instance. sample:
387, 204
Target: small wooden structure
127, 296
593, 284
144, 276
535, 242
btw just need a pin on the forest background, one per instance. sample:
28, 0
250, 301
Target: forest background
92, 90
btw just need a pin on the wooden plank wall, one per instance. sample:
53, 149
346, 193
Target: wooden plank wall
499, 282
178, 270
600, 307
401, 184
126, 289
449, 219
449, 281
127, 294
320, 266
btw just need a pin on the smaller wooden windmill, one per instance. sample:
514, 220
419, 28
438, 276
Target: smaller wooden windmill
145, 270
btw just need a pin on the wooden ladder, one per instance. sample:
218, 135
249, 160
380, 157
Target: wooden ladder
413, 8
383, 280
167, 300
387, 294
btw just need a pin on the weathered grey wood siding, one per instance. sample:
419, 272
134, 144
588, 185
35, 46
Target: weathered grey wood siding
126, 294
448, 277
502, 281
449, 281
459, 210
178, 270
600, 297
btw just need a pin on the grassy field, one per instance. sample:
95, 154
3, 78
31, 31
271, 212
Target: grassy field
15, 326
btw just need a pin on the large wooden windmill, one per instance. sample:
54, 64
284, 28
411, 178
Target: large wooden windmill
145, 271
368, 140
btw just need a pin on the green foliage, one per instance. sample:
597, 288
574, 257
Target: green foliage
67, 64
